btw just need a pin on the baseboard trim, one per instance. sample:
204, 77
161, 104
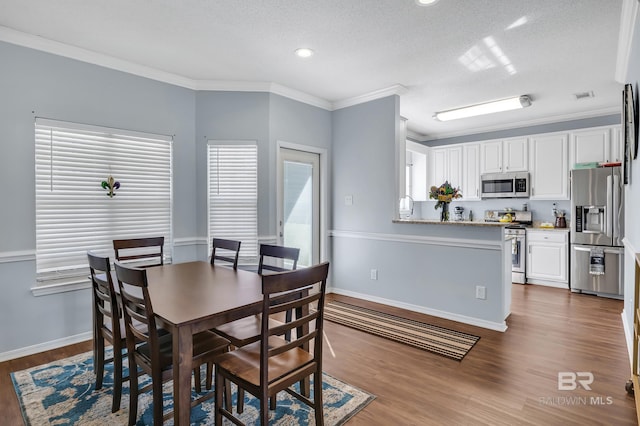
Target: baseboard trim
628, 331
497, 326
554, 284
46, 346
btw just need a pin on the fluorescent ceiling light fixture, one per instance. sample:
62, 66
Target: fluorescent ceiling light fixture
425, 2
304, 52
485, 108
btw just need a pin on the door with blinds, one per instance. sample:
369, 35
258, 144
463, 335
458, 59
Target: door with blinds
299, 186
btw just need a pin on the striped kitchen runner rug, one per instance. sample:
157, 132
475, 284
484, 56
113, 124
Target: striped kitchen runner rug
442, 341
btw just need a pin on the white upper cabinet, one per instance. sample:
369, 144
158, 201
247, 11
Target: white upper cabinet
515, 155
416, 171
446, 165
471, 171
599, 145
509, 155
491, 157
549, 167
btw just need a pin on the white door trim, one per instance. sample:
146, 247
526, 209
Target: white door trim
324, 186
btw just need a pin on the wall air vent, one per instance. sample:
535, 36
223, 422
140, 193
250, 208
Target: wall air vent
584, 95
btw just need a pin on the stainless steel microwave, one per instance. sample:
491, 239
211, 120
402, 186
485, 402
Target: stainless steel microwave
505, 185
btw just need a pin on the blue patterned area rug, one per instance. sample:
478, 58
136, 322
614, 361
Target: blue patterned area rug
63, 393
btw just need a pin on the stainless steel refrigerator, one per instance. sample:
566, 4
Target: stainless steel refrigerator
597, 207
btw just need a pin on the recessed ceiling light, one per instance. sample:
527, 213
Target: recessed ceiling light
304, 52
426, 2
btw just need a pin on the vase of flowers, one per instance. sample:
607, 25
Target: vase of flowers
444, 193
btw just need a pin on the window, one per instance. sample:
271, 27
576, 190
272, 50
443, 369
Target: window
233, 194
74, 213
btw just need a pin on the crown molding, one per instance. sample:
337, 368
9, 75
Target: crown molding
396, 89
524, 123
31, 41
627, 26
303, 97
73, 52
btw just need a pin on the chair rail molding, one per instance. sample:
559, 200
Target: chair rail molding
417, 239
17, 256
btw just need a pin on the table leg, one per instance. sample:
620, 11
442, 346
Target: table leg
182, 357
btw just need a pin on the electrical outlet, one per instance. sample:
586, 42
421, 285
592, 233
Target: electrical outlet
348, 200
481, 292
374, 274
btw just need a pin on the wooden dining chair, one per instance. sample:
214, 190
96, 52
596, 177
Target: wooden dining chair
247, 330
269, 252
226, 246
273, 364
108, 325
155, 354
148, 250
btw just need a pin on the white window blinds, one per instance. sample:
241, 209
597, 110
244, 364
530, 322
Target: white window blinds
233, 194
74, 213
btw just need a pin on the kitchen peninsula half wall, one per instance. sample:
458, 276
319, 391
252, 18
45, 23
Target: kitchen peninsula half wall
455, 270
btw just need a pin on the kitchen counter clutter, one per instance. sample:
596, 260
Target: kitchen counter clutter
451, 222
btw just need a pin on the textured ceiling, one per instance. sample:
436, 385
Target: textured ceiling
453, 53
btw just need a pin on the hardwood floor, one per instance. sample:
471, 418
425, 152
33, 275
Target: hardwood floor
507, 379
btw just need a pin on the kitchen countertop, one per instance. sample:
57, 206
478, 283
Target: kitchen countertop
535, 227
451, 222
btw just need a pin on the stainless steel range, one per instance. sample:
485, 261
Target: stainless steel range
516, 233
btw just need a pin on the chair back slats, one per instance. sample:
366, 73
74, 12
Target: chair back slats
268, 251
292, 300
135, 249
277, 350
105, 300
138, 309
230, 251
277, 289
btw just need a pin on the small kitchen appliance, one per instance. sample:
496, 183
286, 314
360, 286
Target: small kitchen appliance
458, 213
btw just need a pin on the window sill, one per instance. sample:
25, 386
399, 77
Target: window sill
46, 290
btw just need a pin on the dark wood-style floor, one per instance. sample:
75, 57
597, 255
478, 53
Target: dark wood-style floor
507, 379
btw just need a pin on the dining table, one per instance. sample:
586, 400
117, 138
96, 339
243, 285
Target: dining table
191, 297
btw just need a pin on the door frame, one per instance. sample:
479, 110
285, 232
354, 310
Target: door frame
324, 194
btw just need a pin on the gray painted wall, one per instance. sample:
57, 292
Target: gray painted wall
33, 83
265, 118
412, 274
232, 116
632, 193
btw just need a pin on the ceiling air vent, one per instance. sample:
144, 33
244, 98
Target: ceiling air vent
583, 95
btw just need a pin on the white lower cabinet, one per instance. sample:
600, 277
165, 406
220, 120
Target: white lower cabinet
548, 258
